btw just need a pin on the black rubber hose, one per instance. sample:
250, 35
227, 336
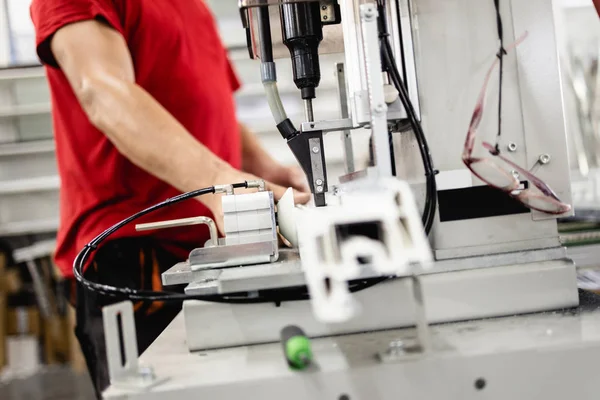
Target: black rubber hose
264, 35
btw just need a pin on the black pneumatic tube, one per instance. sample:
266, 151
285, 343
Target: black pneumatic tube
264, 32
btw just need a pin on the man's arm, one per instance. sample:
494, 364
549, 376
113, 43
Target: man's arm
98, 65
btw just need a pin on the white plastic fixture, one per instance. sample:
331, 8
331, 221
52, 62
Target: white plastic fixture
370, 232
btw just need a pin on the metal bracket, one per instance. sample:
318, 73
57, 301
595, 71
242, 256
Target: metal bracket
122, 351
399, 349
308, 149
379, 127
319, 178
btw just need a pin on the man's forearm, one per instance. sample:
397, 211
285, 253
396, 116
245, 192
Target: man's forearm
148, 135
255, 158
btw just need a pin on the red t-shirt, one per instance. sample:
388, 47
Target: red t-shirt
179, 59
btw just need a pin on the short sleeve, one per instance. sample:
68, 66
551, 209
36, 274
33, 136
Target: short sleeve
233, 78
49, 16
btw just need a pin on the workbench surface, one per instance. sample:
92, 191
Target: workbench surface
519, 349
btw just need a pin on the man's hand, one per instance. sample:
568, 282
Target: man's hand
257, 161
231, 175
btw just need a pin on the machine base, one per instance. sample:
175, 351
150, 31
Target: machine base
449, 296
547, 356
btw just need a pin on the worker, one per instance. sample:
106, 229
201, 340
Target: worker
143, 109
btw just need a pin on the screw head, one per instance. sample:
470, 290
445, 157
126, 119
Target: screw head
396, 347
515, 174
319, 182
544, 158
319, 189
368, 13
147, 373
512, 147
315, 149
324, 17
324, 8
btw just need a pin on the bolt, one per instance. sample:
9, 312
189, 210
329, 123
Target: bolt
368, 14
319, 182
315, 149
396, 346
146, 373
512, 146
379, 109
319, 189
324, 8
544, 159
324, 17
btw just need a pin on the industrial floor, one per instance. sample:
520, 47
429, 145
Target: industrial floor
49, 384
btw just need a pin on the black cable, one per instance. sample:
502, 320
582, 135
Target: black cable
500, 55
391, 67
132, 294
270, 296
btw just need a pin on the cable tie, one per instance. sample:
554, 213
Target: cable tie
502, 52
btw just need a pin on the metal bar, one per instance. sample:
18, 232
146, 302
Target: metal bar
11, 74
25, 110
308, 110
423, 333
332, 125
39, 289
383, 160
212, 227
18, 149
346, 135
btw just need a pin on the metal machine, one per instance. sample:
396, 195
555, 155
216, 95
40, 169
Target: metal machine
361, 271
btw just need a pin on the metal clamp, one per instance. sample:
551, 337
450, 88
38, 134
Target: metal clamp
119, 333
174, 223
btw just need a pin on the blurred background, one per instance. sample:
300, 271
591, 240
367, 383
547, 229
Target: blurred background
36, 341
